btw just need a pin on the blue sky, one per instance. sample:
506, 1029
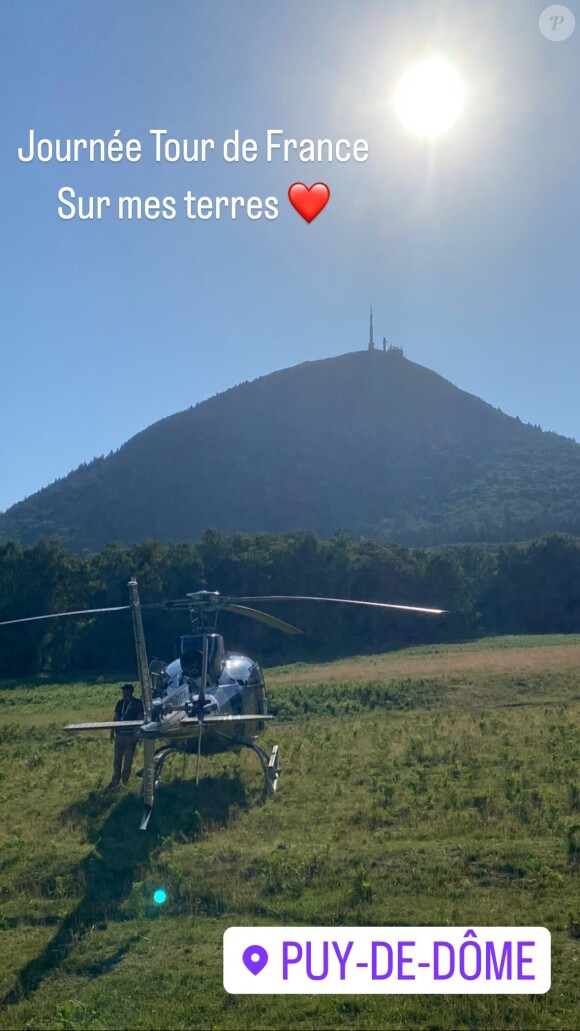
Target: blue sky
468, 248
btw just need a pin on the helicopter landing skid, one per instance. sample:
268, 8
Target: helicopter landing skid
159, 759
270, 766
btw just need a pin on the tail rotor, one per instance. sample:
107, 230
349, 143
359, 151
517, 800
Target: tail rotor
201, 700
149, 745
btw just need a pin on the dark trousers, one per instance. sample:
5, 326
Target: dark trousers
125, 745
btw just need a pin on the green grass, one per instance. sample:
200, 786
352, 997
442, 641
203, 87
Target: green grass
452, 799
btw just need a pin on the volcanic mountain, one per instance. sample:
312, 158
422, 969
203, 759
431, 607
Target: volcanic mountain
368, 441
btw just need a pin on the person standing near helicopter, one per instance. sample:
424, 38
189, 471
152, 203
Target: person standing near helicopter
125, 741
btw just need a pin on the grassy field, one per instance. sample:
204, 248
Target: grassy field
430, 786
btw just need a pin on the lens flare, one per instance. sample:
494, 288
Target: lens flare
159, 896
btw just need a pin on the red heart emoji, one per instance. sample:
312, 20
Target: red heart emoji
309, 201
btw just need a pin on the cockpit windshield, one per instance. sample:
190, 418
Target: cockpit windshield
191, 655
191, 662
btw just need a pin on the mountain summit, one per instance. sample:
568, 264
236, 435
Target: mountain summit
368, 441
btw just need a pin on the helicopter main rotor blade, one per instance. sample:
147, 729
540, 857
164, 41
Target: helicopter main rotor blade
262, 617
341, 601
57, 615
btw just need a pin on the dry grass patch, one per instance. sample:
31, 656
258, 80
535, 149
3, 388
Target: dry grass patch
392, 666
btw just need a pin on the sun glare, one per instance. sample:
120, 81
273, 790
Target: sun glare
430, 97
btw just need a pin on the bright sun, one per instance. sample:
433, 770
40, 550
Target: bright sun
429, 97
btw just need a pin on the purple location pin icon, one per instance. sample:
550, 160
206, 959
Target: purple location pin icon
255, 958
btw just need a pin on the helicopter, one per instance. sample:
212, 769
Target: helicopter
206, 695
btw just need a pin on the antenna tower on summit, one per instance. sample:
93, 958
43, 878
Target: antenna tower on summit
371, 334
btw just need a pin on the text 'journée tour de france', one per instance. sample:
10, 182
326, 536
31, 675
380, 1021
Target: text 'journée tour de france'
163, 148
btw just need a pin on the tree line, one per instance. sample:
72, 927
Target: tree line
513, 588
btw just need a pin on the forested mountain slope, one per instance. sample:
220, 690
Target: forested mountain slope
367, 441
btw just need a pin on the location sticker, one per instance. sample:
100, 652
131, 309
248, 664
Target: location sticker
387, 960
255, 958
